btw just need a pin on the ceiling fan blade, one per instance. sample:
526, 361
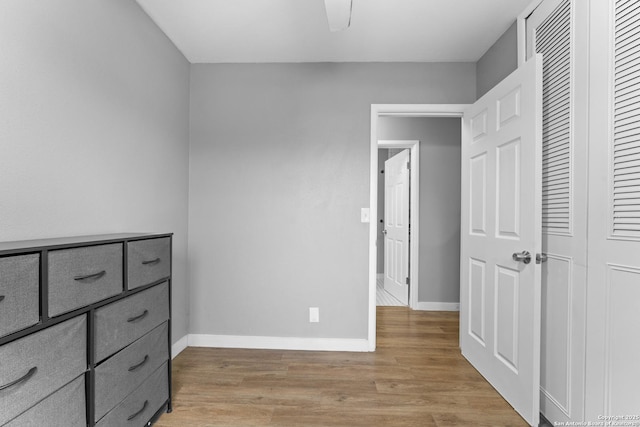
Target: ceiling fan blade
338, 14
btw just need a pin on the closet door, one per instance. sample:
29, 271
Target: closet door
555, 29
613, 322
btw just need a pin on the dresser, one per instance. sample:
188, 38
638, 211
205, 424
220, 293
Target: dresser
85, 331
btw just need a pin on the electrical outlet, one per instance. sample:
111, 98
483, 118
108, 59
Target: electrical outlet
314, 314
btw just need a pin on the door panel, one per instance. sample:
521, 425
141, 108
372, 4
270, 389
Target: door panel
623, 295
396, 228
477, 298
478, 172
501, 216
557, 291
507, 317
508, 194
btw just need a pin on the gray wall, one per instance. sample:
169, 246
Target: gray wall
93, 126
279, 171
439, 201
498, 62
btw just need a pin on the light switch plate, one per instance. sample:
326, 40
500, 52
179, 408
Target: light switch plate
364, 215
314, 314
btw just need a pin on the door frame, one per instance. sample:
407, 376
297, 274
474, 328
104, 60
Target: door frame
414, 212
396, 110
521, 29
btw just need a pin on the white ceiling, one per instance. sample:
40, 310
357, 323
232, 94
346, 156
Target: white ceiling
214, 31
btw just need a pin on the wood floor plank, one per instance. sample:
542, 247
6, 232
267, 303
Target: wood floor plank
421, 387
328, 416
343, 358
416, 377
354, 372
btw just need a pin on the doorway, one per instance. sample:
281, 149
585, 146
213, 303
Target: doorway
397, 265
394, 110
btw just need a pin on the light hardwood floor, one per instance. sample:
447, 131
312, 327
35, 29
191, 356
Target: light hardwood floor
416, 377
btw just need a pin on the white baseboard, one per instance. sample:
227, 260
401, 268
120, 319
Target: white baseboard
438, 306
180, 345
278, 343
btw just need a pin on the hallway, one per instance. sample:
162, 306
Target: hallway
384, 298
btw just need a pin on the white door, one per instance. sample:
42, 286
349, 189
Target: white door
613, 299
501, 222
557, 29
396, 226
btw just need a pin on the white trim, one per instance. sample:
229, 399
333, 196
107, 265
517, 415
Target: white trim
522, 30
419, 110
278, 343
179, 346
402, 110
414, 241
438, 306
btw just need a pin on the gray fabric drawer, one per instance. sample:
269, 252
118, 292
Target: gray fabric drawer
125, 371
138, 408
148, 261
81, 276
19, 303
120, 323
59, 355
64, 408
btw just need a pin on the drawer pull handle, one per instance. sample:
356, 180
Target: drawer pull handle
28, 375
90, 276
1, 298
144, 406
139, 365
151, 262
139, 317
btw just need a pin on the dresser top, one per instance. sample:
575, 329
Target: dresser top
62, 242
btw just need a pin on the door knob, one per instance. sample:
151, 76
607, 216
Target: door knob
384, 232
523, 256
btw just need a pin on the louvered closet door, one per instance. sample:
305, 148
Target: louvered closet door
625, 185
552, 31
613, 322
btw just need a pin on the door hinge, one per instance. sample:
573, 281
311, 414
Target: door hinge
409, 165
407, 281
